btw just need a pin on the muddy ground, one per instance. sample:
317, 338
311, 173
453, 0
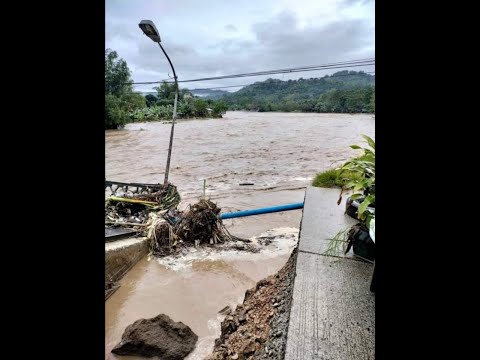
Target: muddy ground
257, 329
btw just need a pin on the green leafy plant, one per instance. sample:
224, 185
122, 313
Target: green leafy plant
337, 244
361, 174
363, 186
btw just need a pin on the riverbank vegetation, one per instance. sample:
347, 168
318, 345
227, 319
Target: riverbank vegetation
338, 177
123, 105
333, 178
342, 92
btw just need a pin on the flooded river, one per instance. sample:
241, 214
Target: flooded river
279, 153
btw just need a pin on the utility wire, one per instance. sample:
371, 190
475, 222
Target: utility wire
232, 86
353, 63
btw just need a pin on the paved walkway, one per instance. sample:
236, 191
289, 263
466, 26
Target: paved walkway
333, 311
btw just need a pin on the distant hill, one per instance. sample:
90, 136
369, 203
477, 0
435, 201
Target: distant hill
298, 95
209, 94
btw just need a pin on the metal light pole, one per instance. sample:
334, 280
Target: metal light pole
149, 29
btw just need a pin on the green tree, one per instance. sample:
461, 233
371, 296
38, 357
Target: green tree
115, 116
200, 106
118, 91
131, 102
166, 91
219, 107
186, 109
355, 101
151, 100
117, 74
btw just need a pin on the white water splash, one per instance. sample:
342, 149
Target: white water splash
272, 243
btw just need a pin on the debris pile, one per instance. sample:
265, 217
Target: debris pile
155, 216
130, 209
200, 224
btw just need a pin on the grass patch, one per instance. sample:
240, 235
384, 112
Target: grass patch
331, 178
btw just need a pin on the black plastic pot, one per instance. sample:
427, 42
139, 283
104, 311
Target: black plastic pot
351, 207
360, 241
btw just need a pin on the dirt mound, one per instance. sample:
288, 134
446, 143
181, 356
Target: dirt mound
159, 336
258, 328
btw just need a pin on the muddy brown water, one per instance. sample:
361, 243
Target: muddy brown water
278, 152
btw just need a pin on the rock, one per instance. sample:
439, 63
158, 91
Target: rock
249, 293
235, 357
261, 283
228, 326
241, 317
159, 336
248, 348
276, 305
263, 338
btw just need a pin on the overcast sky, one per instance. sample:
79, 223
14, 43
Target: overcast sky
219, 37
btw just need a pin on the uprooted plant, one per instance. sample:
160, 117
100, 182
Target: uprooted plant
200, 224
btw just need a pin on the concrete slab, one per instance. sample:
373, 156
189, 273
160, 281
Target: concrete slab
121, 255
333, 311
322, 219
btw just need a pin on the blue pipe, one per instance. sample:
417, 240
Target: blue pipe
266, 210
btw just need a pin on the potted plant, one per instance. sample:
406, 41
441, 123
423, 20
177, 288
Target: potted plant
360, 205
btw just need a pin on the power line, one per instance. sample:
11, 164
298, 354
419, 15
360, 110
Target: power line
232, 86
283, 71
349, 64
331, 76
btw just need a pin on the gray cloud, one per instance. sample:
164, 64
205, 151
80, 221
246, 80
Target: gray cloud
230, 27
200, 47
286, 43
352, 2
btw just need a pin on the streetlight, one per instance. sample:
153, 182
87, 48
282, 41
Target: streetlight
149, 29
